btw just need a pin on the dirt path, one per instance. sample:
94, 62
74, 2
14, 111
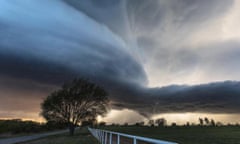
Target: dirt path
28, 138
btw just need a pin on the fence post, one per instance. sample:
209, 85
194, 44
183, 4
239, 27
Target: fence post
118, 139
134, 140
110, 138
105, 137
102, 137
99, 135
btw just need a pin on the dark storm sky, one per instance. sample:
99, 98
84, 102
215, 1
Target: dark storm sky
175, 55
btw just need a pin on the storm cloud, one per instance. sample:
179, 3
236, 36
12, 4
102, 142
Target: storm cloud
152, 56
219, 97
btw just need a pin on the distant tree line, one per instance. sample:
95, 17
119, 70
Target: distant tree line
162, 122
208, 122
16, 126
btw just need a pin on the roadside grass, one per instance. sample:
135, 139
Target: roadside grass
185, 135
11, 135
81, 136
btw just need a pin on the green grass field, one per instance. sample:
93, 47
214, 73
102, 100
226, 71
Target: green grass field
186, 135
181, 135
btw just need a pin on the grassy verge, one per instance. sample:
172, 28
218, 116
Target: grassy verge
82, 136
11, 135
186, 135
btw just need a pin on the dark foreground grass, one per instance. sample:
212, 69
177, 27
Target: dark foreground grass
82, 136
186, 135
181, 135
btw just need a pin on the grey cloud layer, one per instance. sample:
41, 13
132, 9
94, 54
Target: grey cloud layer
220, 97
49, 42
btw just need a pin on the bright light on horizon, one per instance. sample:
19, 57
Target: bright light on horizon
131, 117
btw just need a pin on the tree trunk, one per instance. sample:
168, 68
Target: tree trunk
71, 129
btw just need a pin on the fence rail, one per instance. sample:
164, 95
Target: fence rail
106, 137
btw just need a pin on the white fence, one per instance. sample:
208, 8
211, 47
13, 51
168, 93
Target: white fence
106, 137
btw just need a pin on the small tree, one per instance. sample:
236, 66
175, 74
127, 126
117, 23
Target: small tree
137, 124
206, 121
125, 124
219, 124
74, 103
141, 123
212, 122
151, 123
161, 122
91, 123
102, 123
174, 124
200, 121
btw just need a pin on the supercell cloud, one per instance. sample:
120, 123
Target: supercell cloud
152, 56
